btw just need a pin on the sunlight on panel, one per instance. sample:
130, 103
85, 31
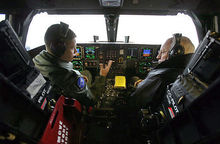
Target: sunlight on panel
85, 27
155, 29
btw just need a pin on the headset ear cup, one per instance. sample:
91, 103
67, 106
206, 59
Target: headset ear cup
180, 50
176, 49
61, 48
58, 48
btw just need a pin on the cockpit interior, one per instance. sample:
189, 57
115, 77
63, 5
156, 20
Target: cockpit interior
130, 33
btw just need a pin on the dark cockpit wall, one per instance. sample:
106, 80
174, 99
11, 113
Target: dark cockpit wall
203, 13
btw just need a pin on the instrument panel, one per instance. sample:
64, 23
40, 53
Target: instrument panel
128, 58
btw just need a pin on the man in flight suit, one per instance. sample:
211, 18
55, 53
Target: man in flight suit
55, 64
173, 57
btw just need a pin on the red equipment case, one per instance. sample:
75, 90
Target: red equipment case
64, 125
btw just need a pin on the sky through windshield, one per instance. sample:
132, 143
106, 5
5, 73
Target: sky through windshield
141, 29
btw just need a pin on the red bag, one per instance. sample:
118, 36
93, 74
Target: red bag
64, 125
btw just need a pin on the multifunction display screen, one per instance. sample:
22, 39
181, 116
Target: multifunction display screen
78, 55
146, 53
90, 53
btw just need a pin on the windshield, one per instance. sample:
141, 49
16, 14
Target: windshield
141, 28
155, 29
85, 27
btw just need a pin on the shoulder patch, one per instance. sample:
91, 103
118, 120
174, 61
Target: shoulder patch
81, 82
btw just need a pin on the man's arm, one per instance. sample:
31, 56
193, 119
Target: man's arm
104, 70
99, 83
67, 82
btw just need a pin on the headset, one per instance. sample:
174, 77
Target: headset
176, 49
58, 47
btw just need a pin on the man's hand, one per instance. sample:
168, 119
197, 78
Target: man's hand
104, 71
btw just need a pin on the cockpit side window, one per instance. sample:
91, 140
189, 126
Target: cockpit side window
147, 29
2, 17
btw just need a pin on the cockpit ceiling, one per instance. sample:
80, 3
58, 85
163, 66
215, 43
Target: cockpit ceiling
127, 7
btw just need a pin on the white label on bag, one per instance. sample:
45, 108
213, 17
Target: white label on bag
35, 86
62, 135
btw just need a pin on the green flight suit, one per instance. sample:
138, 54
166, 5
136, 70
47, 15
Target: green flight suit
65, 79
